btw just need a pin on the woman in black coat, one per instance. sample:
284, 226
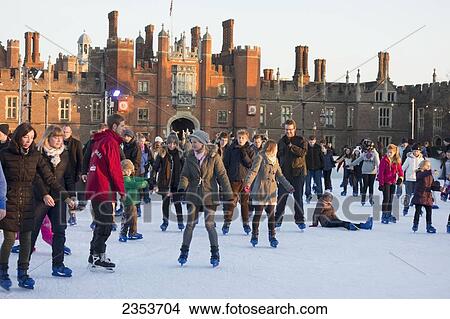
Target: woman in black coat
21, 163
48, 202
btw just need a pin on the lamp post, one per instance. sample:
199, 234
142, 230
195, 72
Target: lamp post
322, 118
314, 128
303, 118
46, 96
412, 117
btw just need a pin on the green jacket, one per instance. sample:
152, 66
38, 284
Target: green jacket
132, 186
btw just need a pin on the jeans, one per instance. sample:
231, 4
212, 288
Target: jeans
193, 214
348, 178
166, 207
24, 253
103, 218
317, 176
409, 189
257, 217
57, 216
298, 183
244, 199
368, 181
327, 179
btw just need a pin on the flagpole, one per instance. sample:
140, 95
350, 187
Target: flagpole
171, 21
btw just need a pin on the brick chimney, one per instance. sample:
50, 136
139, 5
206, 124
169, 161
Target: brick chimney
36, 54
319, 70
113, 23
301, 64
28, 46
227, 44
383, 66
148, 52
195, 38
12, 54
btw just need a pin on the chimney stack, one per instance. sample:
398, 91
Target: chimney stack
28, 44
148, 52
267, 74
227, 44
301, 65
36, 54
113, 22
195, 38
12, 54
383, 66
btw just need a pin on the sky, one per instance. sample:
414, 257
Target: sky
348, 34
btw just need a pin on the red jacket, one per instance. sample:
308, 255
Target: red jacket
389, 172
105, 177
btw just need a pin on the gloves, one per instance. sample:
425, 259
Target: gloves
399, 181
381, 188
247, 189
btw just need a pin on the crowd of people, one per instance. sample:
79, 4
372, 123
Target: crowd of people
43, 182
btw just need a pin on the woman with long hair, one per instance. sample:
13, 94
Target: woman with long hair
47, 202
21, 164
390, 173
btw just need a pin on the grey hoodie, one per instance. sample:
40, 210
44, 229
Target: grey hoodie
371, 161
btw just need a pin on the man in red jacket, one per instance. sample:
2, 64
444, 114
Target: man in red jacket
104, 181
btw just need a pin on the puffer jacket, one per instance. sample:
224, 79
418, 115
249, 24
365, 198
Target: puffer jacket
20, 171
238, 160
389, 172
410, 166
200, 182
264, 175
371, 162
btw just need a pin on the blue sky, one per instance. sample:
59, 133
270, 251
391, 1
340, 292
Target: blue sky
345, 33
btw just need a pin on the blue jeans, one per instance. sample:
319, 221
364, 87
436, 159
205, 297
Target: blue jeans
409, 188
317, 176
298, 183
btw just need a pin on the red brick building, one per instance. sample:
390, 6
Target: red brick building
165, 85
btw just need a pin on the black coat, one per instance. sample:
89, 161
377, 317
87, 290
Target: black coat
64, 175
238, 160
132, 152
168, 168
314, 158
20, 172
290, 150
75, 150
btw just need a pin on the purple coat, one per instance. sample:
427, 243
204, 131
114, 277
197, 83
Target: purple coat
422, 190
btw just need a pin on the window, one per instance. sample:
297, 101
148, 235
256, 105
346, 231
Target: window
184, 80
96, 110
420, 119
378, 96
391, 96
64, 109
286, 113
222, 117
330, 139
438, 116
329, 116
384, 140
143, 87
142, 114
262, 115
222, 90
350, 111
84, 75
385, 117
11, 107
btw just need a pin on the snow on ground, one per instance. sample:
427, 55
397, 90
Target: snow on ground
388, 262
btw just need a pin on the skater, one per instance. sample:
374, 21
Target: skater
346, 160
238, 160
128, 230
104, 180
262, 182
202, 170
47, 202
357, 183
75, 149
291, 157
410, 167
390, 174
424, 187
328, 165
445, 173
21, 163
132, 152
371, 161
325, 214
146, 165
314, 164
166, 175
223, 143
258, 142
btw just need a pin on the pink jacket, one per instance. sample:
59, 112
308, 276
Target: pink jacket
389, 172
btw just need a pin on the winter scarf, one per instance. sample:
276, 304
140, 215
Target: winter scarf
54, 154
